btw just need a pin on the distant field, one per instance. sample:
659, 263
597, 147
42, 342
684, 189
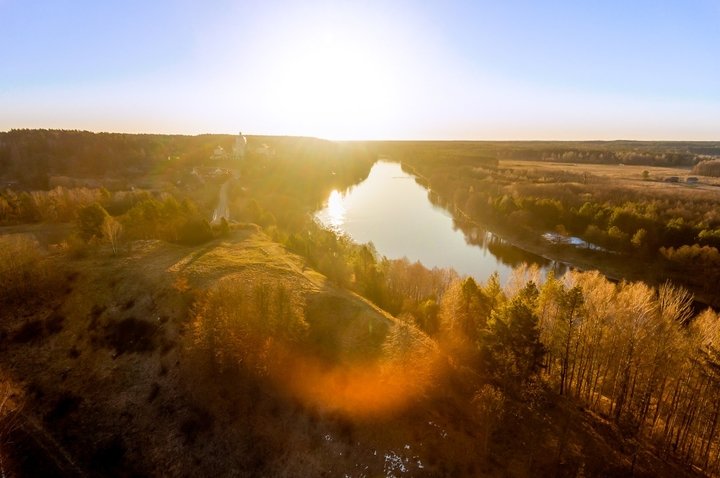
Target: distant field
629, 175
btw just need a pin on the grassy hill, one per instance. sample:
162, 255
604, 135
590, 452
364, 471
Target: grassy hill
102, 363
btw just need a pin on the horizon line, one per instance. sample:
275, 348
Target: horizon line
377, 140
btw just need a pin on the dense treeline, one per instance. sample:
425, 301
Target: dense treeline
102, 215
655, 153
31, 157
57, 205
710, 167
572, 155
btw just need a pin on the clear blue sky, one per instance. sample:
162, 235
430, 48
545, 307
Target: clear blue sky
441, 70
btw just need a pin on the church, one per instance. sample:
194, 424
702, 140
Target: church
238, 149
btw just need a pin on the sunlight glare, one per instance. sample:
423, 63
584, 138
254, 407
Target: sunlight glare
336, 210
335, 84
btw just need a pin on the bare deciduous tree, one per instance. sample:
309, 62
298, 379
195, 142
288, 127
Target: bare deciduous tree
112, 230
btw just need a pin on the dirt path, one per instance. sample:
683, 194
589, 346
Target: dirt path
222, 209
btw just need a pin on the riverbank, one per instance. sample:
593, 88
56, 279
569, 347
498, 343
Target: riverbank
614, 266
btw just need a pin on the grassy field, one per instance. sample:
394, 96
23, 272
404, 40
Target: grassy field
630, 176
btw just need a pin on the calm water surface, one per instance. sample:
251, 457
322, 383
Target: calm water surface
393, 212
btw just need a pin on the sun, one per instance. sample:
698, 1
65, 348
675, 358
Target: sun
330, 82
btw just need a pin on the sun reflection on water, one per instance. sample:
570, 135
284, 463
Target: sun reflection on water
335, 210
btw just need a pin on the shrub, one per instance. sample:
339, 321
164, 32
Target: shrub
75, 247
194, 232
90, 221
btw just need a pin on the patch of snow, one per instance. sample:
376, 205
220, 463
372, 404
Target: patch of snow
394, 463
574, 241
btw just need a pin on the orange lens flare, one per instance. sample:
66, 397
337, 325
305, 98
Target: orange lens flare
358, 390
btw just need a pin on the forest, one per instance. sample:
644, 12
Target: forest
269, 346
651, 153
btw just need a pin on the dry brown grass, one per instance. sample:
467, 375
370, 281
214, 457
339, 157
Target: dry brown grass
629, 176
115, 395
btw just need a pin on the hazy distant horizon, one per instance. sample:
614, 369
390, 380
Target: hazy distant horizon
275, 134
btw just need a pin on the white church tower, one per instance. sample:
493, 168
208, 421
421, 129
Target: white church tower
239, 147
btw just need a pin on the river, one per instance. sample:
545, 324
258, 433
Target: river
393, 212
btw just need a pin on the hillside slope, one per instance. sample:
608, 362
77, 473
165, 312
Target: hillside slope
112, 386
102, 363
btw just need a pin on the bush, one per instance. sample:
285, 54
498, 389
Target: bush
90, 221
194, 232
